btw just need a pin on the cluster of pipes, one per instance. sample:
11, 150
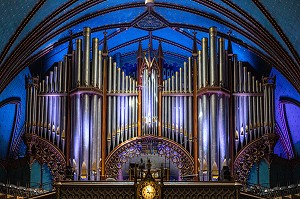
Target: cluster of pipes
122, 106
193, 103
46, 105
254, 105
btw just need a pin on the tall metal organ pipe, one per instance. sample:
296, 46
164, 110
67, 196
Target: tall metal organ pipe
86, 98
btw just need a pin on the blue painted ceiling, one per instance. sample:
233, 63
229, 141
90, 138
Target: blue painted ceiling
266, 29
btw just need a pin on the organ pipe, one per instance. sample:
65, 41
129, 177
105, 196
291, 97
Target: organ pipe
213, 56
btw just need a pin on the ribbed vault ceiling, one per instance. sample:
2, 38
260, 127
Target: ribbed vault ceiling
33, 28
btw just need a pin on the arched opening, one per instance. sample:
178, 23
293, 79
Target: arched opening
159, 150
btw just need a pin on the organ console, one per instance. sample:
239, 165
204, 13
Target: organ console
212, 102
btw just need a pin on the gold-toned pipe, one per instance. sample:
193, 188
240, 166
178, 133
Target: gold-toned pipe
221, 62
199, 69
78, 64
213, 56
205, 81
86, 60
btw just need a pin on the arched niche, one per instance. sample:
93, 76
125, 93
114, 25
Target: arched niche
143, 145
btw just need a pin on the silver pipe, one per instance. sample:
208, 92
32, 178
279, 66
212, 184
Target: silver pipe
222, 62
51, 82
118, 106
176, 82
235, 73
181, 120
86, 130
184, 77
190, 119
206, 129
98, 141
46, 107
114, 121
169, 110
269, 107
60, 65
199, 69
213, 56
185, 122
254, 109
94, 127
78, 63
42, 109
266, 109
65, 73
64, 100
130, 109
189, 75
38, 111
177, 122
122, 106
126, 111
257, 111
86, 60
27, 106
180, 80
261, 108
173, 109
240, 66
205, 62
95, 66
213, 130
200, 133
250, 107
55, 79
77, 132
221, 129
272, 109
100, 69
110, 82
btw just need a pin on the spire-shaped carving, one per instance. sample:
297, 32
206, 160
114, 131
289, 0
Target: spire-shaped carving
160, 54
195, 49
229, 47
70, 46
105, 47
140, 51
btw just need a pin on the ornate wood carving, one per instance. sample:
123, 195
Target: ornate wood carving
252, 153
45, 152
170, 190
160, 145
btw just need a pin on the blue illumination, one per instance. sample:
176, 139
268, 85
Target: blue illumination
7, 114
283, 88
16, 88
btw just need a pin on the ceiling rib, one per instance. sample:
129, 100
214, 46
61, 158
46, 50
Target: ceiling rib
278, 29
20, 28
23, 53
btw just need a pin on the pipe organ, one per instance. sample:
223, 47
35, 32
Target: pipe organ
213, 106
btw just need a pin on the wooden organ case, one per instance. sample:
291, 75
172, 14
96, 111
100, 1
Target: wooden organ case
89, 109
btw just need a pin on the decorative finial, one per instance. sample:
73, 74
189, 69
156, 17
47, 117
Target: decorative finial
229, 47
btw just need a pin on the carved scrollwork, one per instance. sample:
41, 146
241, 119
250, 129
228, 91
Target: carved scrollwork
46, 153
252, 153
139, 145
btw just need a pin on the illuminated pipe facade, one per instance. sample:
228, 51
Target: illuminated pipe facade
109, 105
